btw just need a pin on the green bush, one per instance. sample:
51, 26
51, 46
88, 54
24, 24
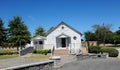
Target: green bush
49, 50
111, 51
8, 52
34, 51
94, 49
43, 51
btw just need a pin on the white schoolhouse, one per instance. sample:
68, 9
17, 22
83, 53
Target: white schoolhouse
62, 36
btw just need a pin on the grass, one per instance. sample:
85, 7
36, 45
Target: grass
7, 56
39, 57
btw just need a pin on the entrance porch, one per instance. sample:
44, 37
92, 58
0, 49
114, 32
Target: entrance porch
63, 41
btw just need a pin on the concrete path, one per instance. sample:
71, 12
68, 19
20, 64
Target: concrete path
93, 64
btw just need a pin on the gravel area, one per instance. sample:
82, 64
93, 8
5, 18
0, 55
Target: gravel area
93, 64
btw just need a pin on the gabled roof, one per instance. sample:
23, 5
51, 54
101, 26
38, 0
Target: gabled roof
62, 23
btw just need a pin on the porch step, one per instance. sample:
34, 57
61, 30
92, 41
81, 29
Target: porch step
61, 52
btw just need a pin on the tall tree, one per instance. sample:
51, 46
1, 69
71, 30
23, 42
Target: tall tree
40, 31
51, 29
2, 33
18, 32
102, 33
118, 31
116, 37
89, 36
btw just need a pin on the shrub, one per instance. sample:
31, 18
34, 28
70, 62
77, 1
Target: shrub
49, 50
94, 49
34, 51
111, 51
8, 52
43, 51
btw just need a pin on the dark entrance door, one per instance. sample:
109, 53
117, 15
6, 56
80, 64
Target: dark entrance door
63, 42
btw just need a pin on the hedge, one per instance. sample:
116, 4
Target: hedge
94, 49
44, 51
111, 51
8, 52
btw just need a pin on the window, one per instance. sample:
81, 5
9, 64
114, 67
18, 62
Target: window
35, 42
74, 37
40, 42
62, 27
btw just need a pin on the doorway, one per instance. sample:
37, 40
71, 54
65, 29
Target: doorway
63, 42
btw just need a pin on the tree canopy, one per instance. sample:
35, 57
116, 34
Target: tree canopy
40, 31
116, 37
2, 33
51, 29
89, 36
18, 32
102, 34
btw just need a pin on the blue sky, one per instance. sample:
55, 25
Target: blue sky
80, 14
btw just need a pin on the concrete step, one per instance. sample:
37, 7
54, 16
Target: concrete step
61, 52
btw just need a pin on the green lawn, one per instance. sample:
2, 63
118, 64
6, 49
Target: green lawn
7, 56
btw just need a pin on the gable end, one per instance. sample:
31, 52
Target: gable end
62, 23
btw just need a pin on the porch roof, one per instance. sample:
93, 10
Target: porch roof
62, 36
39, 38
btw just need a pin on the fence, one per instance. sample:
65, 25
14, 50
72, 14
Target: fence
44, 46
25, 51
73, 47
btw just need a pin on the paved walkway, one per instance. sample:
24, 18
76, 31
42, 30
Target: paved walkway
93, 64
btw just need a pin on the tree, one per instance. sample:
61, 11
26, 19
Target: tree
89, 36
102, 33
40, 31
2, 33
51, 29
116, 37
118, 31
18, 32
